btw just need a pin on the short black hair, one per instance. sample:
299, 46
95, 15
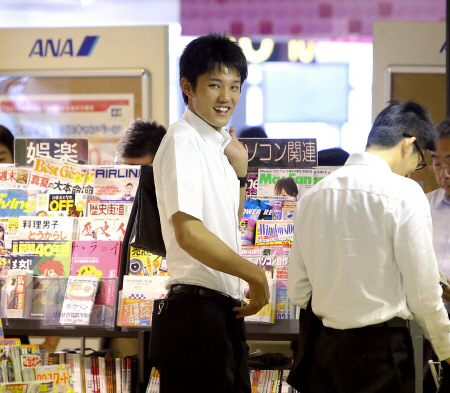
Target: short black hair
443, 128
128, 184
7, 139
207, 52
253, 132
287, 184
332, 157
140, 138
403, 118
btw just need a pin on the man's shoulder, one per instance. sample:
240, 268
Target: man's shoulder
436, 196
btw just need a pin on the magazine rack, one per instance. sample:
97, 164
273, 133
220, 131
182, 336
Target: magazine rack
4, 302
103, 311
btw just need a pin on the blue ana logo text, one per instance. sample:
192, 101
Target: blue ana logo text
61, 47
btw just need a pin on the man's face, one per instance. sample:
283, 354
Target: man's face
216, 96
128, 190
442, 157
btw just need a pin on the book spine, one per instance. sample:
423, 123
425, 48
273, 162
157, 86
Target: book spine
118, 364
124, 375
128, 389
88, 374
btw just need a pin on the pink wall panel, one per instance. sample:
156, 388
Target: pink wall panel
329, 18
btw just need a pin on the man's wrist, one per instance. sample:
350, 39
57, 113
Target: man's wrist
242, 181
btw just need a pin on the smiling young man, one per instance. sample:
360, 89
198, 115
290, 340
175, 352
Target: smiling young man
363, 252
198, 336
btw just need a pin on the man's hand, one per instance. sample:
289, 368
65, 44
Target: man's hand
237, 155
258, 294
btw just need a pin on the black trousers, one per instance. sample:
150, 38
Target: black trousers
198, 345
365, 360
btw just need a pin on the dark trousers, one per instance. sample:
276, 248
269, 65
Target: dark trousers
365, 360
198, 345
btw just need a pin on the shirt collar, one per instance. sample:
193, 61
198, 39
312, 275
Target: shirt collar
368, 159
215, 139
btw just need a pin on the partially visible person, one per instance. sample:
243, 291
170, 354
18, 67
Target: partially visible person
139, 143
253, 132
440, 213
6, 146
286, 187
332, 157
363, 255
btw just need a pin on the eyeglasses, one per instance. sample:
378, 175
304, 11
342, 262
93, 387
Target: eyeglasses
438, 168
422, 163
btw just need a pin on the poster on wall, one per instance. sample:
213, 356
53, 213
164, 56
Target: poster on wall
98, 117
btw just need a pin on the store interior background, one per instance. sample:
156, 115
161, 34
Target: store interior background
310, 73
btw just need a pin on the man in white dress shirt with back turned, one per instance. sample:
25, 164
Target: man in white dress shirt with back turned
363, 252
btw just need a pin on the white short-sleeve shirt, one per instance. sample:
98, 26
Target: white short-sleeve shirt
194, 176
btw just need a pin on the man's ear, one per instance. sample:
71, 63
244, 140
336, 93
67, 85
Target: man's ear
186, 87
408, 145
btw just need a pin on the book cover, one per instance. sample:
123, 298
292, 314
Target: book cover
102, 228
274, 232
117, 182
30, 356
17, 202
44, 258
48, 228
61, 375
5, 262
137, 301
247, 229
14, 293
79, 300
144, 263
284, 183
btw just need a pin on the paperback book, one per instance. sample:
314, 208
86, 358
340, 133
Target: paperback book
12, 177
9, 231
61, 375
15, 299
136, 304
79, 300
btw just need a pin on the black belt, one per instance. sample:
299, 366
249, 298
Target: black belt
207, 293
395, 322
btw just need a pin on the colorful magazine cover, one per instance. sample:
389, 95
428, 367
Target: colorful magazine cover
258, 209
144, 263
9, 231
252, 185
17, 202
44, 258
79, 300
61, 204
102, 228
48, 228
117, 182
274, 232
98, 259
14, 293
57, 176
284, 183
271, 258
11, 177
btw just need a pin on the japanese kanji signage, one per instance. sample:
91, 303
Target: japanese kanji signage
280, 153
73, 151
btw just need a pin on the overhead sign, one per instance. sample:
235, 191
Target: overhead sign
63, 47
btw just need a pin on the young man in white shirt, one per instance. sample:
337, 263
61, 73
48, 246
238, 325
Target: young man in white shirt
198, 335
363, 252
